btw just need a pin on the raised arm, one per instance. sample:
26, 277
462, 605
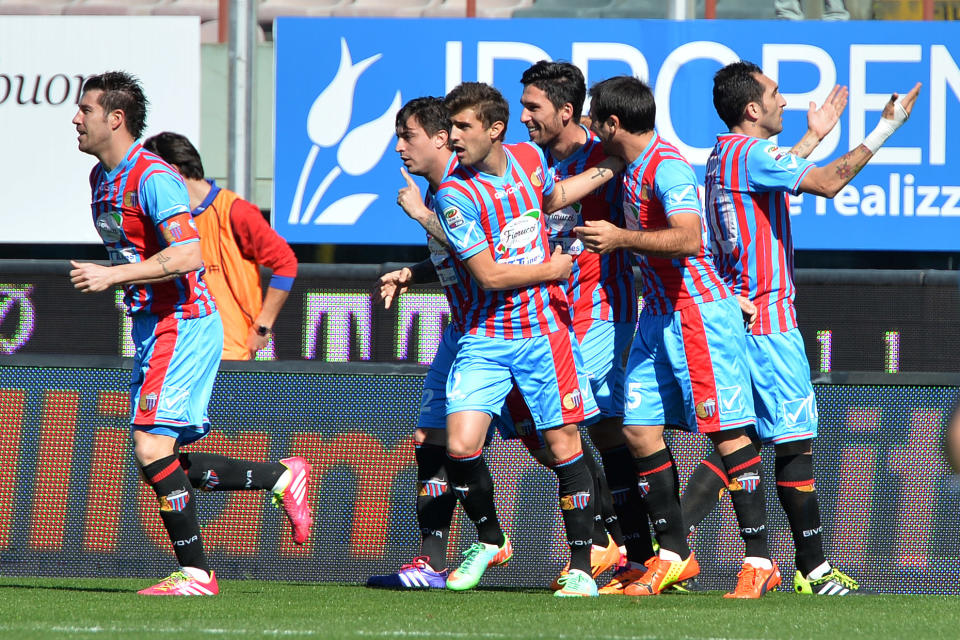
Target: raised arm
828, 180
821, 121
566, 192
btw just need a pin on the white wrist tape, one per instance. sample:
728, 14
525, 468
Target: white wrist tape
885, 128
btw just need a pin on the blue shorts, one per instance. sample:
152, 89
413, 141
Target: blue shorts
547, 369
782, 392
513, 420
605, 346
174, 368
688, 369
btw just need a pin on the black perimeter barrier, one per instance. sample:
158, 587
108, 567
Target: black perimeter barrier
71, 503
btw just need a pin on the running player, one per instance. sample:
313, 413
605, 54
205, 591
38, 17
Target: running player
603, 307
686, 367
491, 209
747, 182
141, 211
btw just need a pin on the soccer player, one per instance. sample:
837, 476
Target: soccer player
686, 367
423, 127
748, 180
603, 308
234, 241
491, 209
141, 211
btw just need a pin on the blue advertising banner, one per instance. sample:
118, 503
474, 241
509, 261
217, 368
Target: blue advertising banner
340, 83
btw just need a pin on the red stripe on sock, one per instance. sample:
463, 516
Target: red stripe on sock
170, 468
799, 483
665, 465
469, 457
717, 471
741, 467
573, 458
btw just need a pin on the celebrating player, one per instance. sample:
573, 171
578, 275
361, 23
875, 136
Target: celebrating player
141, 211
686, 366
747, 182
603, 307
491, 209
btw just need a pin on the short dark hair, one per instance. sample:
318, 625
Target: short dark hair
176, 149
628, 98
487, 102
561, 81
734, 87
429, 112
121, 90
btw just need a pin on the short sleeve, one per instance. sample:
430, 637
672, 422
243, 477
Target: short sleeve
773, 168
460, 218
163, 195
675, 185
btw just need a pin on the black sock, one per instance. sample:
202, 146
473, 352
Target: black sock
659, 488
604, 517
212, 472
704, 489
798, 496
177, 510
575, 484
473, 485
435, 503
746, 492
631, 512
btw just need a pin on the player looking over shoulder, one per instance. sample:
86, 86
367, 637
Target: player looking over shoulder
141, 211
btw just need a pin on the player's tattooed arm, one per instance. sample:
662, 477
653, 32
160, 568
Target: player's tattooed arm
829, 180
807, 144
575, 188
163, 260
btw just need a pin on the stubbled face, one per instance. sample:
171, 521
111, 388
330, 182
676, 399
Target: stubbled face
417, 149
771, 106
92, 123
541, 118
471, 141
603, 131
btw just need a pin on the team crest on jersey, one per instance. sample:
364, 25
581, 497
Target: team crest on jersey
537, 177
520, 231
175, 232
572, 400
707, 408
453, 217
579, 500
748, 482
433, 488
148, 402
176, 501
644, 191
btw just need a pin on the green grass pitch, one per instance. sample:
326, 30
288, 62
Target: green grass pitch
110, 608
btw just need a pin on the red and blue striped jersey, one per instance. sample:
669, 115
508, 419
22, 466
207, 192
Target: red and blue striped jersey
503, 215
139, 208
600, 286
454, 277
748, 210
659, 184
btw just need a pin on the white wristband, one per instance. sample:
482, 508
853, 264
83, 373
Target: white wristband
885, 128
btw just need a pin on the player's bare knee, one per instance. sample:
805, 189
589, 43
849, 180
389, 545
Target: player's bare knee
643, 440
148, 447
727, 442
563, 442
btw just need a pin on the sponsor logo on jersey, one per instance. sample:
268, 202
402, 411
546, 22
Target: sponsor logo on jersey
579, 500
707, 408
453, 217
677, 197
783, 157
433, 488
176, 501
500, 194
148, 402
110, 226
572, 400
520, 232
748, 482
565, 219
